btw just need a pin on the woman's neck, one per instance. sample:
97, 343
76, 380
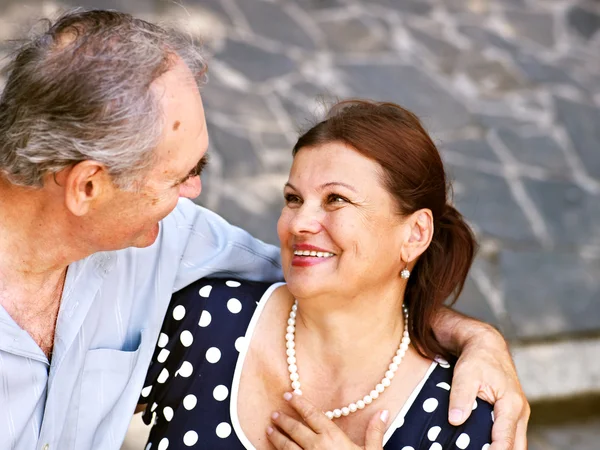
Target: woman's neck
344, 333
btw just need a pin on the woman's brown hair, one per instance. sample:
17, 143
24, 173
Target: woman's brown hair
414, 175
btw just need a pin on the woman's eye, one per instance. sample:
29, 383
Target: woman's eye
291, 198
334, 198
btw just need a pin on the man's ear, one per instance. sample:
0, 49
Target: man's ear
84, 184
421, 232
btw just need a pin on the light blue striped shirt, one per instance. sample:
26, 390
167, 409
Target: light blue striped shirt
110, 316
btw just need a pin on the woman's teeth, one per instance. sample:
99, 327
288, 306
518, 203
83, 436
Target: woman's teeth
313, 253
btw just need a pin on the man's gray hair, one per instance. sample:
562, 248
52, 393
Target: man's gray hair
81, 91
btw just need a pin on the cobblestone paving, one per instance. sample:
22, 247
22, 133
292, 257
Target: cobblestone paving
510, 90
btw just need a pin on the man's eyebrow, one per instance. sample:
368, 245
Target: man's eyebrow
197, 169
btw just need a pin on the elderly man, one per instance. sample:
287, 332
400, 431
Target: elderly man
102, 141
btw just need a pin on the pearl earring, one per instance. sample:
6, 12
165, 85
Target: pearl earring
405, 273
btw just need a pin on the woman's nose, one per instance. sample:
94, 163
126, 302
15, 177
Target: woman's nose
307, 219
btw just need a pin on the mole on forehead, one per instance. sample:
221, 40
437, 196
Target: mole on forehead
176, 125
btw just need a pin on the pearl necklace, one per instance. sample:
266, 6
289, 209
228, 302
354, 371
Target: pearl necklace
367, 399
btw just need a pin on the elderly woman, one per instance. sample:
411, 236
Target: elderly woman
343, 355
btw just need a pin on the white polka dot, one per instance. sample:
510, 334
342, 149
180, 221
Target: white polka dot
463, 441
231, 283
430, 405
186, 338
164, 375
400, 422
213, 355
205, 319
163, 340
149, 446
223, 430
475, 404
485, 447
239, 343
493, 418
205, 291
234, 305
178, 312
442, 362
443, 385
190, 401
436, 446
220, 393
146, 391
190, 438
185, 370
408, 448
163, 444
168, 413
162, 356
154, 406
433, 433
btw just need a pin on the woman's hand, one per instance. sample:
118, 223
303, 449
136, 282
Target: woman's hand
318, 432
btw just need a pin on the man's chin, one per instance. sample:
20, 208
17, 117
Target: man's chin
148, 238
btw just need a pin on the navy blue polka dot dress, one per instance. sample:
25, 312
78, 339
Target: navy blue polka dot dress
190, 383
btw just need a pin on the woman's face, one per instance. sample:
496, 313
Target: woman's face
339, 229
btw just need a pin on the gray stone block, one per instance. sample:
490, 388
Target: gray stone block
272, 21
352, 36
571, 215
412, 89
486, 201
549, 293
583, 125
499, 121
131, 6
443, 51
535, 26
262, 225
490, 76
538, 72
256, 64
483, 38
473, 303
416, 7
471, 148
244, 107
542, 151
237, 153
584, 22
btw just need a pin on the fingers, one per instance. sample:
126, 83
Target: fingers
509, 431
297, 431
521, 438
279, 441
375, 430
312, 416
464, 390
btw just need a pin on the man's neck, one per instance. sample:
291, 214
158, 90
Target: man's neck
34, 244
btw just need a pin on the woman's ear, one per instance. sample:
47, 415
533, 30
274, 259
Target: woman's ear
420, 225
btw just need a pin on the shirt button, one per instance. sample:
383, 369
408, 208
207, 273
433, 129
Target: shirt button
46, 447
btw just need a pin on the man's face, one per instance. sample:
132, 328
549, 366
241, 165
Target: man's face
130, 218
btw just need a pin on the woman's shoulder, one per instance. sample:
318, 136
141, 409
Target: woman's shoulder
219, 288
425, 425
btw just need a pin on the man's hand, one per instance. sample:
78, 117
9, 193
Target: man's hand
318, 432
485, 369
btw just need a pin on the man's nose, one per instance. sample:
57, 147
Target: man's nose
191, 188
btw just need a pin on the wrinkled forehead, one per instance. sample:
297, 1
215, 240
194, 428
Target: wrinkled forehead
185, 138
